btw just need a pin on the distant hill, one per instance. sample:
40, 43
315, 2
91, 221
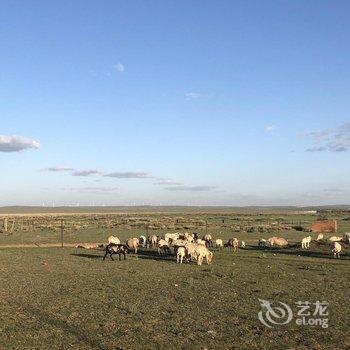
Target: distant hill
164, 209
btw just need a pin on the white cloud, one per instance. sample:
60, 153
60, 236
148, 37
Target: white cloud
98, 190
336, 140
270, 128
333, 190
129, 175
94, 190
162, 181
16, 143
58, 169
316, 149
120, 67
190, 188
86, 172
192, 95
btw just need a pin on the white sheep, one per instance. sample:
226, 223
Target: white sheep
163, 247
191, 250
179, 243
113, 239
89, 246
153, 240
169, 237
176, 244
201, 242
335, 239
305, 242
242, 244
277, 242
208, 239
181, 253
143, 241
336, 250
203, 252
319, 237
219, 243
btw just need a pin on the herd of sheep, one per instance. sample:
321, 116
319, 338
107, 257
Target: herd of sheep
183, 246
305, 242
189, 247
334, 241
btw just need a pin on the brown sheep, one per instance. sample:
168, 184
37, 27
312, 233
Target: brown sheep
133, 244
277, 242
232, 242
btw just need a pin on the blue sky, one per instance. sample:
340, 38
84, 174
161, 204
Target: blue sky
174, 102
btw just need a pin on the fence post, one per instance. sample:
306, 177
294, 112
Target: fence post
61, 233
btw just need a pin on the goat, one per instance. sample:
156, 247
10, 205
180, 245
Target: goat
119, 249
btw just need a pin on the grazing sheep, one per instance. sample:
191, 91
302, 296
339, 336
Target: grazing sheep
143, 241
179, 243
218, 243
89, 246
277, 241
191, 250
169, 237
242, 244
133, 244
233, 243
262, 242
203, 252
335, 239
184, 235
336, 250
153, 240
208, 239
163, 247
113, 239
116, 249
319, 237
190, 238
195, 236
346, 237
181, 253
201, 242
305, 242
176, 244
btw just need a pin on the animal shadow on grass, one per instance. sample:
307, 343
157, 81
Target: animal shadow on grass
141, 254
88, 256
292, 250
153, 255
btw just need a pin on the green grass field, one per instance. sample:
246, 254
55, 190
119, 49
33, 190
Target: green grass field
53, 298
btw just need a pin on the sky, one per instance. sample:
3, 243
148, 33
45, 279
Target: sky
174, 102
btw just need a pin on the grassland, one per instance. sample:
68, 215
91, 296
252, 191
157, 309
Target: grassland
53, 298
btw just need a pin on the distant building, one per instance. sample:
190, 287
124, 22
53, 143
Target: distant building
324, 226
